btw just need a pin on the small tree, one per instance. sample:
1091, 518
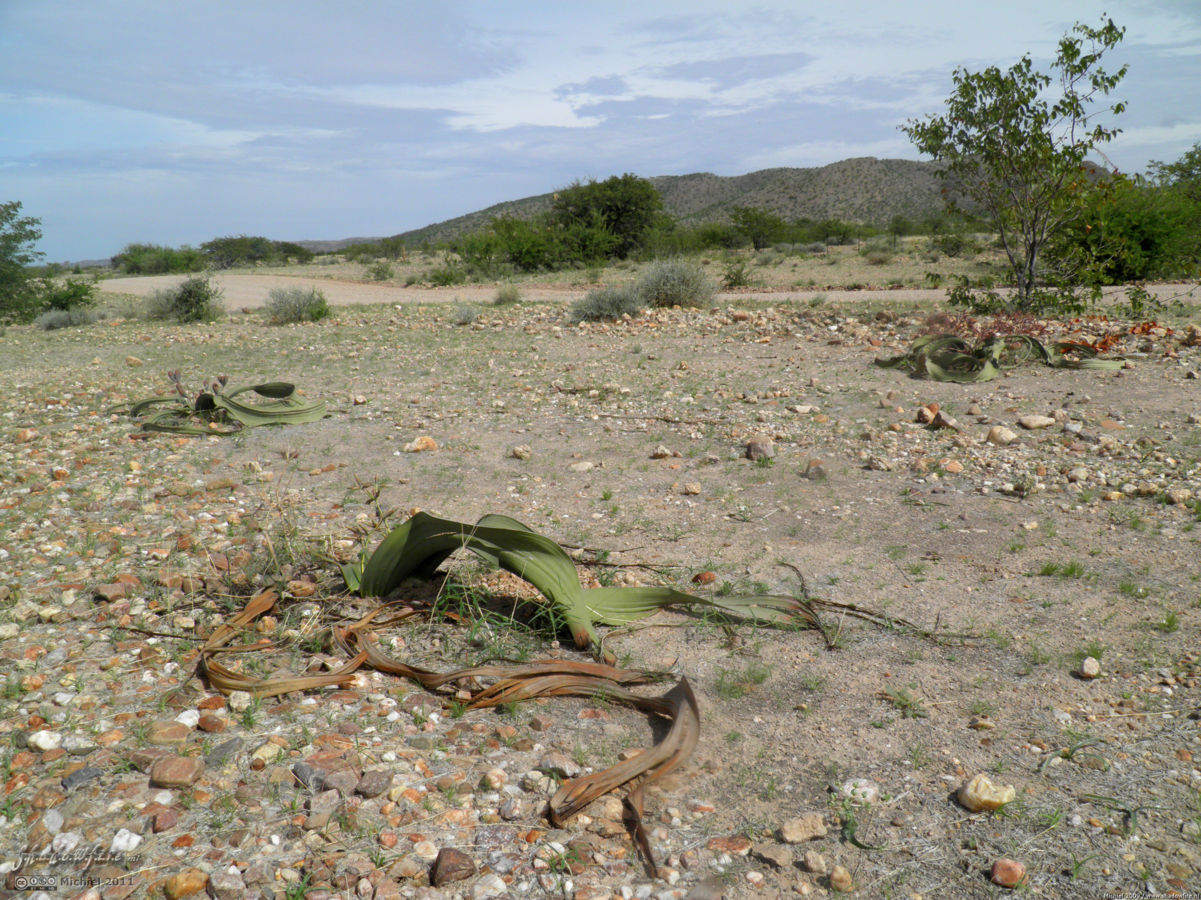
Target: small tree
1184, 175
762, 228
19, 296
1021, 158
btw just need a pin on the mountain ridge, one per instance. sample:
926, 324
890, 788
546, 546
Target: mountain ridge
863, 189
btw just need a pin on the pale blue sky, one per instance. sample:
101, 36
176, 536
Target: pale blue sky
176, 122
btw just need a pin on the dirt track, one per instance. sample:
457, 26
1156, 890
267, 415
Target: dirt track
250, 291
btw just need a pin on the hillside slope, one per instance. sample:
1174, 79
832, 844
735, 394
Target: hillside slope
864, 189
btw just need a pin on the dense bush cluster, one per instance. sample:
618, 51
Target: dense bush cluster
155, 259
587, 224
1138, 229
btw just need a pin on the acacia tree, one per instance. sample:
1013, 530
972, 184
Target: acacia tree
1020, 157
624, 205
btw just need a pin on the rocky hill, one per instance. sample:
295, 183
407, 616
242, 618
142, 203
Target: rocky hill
865, 189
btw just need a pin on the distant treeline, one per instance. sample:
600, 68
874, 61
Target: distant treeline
591, 223
1134, 229
219, 253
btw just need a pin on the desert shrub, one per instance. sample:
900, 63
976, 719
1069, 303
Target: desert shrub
507, 294
953, 244
446, 274
196, 300
785, 248
53, 319
813, 247
735, 273
379, 271
608, 302
362, 252
465, 315
674, 282
296, 304
877, 257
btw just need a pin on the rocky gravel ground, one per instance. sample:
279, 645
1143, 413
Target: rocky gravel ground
1044, 539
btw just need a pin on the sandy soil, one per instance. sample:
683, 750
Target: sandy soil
1067, 541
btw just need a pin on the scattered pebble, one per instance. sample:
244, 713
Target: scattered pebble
421, 444
815, 862
1008, 873
451, 865
1001, 436
45, 740
803, 828
840, 879
980, 794
1032, 423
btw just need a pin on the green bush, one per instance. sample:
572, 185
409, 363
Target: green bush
379, 271
528, 246
674, 282
447, 274
735, 273
53, 319
954, 244
19, 300
609, 302
296, 304
68, 295
244, 250
507, 294
616, 215
196, 300
1134, 231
